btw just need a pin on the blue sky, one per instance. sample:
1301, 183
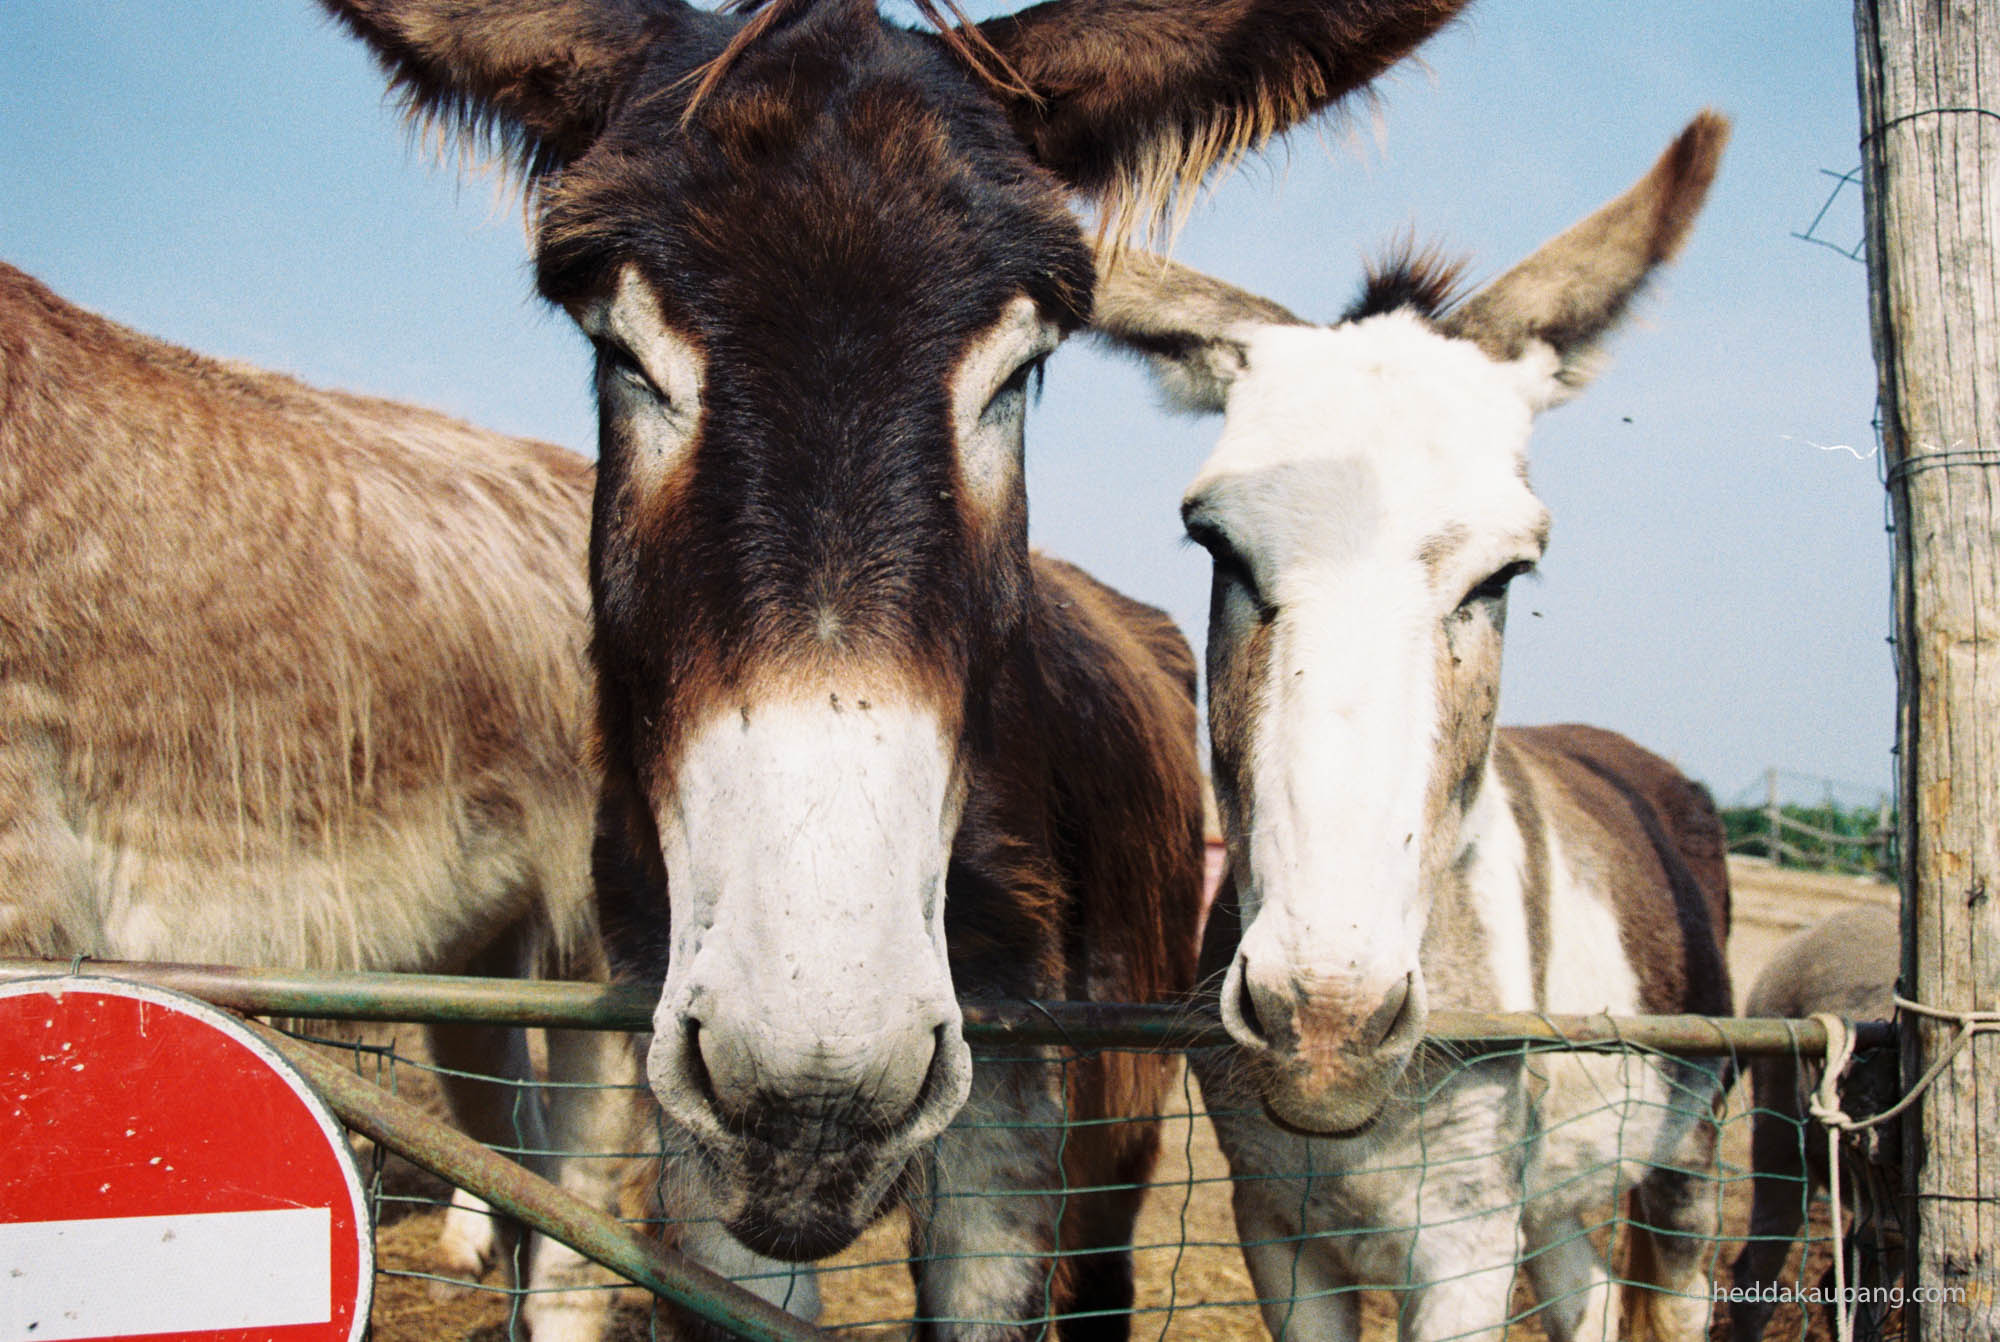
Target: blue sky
228, 176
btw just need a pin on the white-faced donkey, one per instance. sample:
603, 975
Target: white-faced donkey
1390, 852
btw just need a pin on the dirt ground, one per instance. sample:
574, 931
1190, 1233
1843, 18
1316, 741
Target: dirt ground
1192, 1284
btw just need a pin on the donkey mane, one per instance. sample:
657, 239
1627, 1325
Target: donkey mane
1410, 276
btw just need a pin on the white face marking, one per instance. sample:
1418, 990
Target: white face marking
1369, 477
989, 402
806, 843
653, 390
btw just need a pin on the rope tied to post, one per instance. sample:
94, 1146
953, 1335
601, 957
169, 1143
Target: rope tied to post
1825, 1107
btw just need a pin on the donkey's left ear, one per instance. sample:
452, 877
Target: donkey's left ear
1132, 102
543, 75
1571, 293
1191, 328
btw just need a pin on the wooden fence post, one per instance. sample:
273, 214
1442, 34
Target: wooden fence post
1929, 74
1774, 818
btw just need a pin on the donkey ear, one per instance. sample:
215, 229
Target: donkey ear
1574, 289
1191, 328
1133, 101
541, 76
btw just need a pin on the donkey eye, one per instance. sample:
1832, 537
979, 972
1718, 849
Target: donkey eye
1017, 385
619, 363
1213, 539
1494, 586
1230, 565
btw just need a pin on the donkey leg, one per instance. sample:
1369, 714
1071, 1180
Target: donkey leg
1299, 1286
984, 1231
1116, 1160
1674, 1236
1673, 1239
486, 1082
1098, 1228
1470, 1147
1778, 1199
1463, 1262
1568, 1277
487, 1077
594, 1120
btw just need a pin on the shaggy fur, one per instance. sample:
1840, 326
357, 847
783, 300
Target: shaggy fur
1425, 279
294, 678
830, 210
317, 656
1133, 103
1139, 100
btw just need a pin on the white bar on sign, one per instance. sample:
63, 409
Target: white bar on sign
128, 1275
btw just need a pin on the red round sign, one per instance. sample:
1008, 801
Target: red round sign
167, 1174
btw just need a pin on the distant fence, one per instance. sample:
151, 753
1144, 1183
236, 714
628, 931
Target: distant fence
1823, 836
1191, 1279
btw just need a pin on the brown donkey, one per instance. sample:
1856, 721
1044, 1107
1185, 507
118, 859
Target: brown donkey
1366, 508
296, 678
864, 755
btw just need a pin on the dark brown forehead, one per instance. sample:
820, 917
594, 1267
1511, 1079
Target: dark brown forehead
839, 166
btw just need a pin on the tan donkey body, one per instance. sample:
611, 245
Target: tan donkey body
296, 678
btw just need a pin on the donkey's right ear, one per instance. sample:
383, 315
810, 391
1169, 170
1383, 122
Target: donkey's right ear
541, 75
1192, 328
1132, 102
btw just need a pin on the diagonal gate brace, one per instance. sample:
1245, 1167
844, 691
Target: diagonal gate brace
397, 1125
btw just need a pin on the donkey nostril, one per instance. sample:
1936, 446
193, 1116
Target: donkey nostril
913, 1106
697, 1065
1246, 1010
1412, 1015
744, 1082
1383, 1021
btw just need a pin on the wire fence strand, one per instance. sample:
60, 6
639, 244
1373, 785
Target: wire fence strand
1769, 1249
1189, 1252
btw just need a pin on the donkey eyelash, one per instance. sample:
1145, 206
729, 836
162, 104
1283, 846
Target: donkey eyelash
1025, 380
1229, 562
1213, 539
621, 362
1495, 585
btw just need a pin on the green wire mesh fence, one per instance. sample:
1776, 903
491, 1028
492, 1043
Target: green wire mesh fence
1191, 1279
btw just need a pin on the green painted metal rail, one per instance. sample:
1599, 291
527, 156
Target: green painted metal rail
398, 1126
432, 998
